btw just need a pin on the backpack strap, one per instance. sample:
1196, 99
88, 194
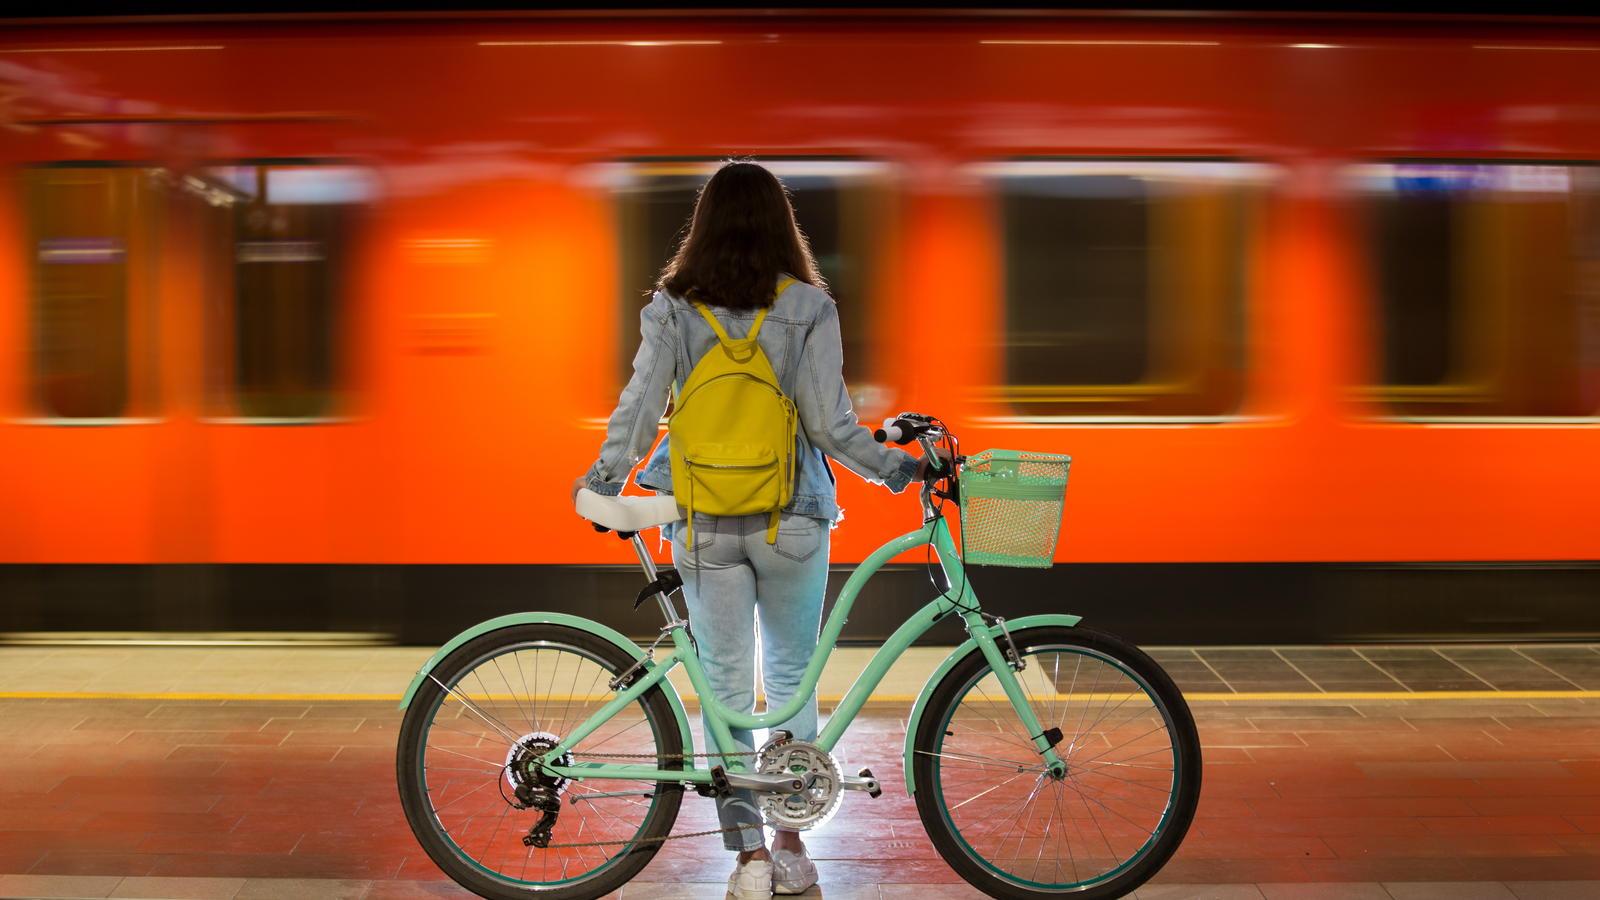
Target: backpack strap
761, 316
715, 325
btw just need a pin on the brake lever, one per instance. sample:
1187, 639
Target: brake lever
937, 462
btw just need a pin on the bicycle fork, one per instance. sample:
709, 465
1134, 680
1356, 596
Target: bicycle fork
1004, 663
1044, 739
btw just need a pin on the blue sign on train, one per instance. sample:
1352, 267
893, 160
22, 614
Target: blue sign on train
1442, 179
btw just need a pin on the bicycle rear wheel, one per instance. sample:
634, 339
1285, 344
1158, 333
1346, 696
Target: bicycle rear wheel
468, 744
1124, 803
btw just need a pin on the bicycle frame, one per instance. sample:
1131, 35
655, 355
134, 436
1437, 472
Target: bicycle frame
721, 719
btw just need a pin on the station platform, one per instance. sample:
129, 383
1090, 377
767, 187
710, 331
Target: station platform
267, 773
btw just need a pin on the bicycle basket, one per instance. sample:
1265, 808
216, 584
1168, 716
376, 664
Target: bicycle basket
1011, 504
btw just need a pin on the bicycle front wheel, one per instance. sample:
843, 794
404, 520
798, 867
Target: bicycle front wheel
1100, 829
472, 789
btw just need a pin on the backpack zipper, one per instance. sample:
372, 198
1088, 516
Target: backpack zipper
775, 389
691, 464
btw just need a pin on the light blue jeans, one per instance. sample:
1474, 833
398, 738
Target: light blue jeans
729, 573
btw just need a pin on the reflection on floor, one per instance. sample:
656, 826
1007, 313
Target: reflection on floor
293, 798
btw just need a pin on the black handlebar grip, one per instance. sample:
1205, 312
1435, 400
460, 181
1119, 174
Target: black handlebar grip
881, 436
908, 430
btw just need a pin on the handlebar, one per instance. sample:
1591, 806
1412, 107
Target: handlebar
901, 431
925, 430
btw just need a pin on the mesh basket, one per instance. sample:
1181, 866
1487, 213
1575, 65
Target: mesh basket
1011, 507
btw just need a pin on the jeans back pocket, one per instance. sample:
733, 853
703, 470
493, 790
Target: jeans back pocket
799, 537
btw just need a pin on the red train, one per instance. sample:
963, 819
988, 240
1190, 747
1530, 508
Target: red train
307, 324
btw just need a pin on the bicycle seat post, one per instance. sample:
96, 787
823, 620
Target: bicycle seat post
649, 565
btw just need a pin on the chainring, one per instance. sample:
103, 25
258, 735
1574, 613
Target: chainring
813, 805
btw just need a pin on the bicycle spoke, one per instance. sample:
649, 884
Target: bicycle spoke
590, 747
1091, 759
494, 723
968, 757
526, 719
1101, 804
996, 826
489, 763
1022, 739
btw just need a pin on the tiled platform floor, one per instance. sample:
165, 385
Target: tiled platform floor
262, 799
1541, 667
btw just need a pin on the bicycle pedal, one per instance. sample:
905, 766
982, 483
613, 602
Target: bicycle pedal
719, 782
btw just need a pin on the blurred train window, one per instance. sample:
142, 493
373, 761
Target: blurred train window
1124, 286
1486, 288
282, 241
92, 228
840, 206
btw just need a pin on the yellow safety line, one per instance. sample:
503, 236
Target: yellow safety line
51, 695
70, 695
880, 698
1399, 695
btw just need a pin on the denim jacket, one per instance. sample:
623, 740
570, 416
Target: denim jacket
801, 339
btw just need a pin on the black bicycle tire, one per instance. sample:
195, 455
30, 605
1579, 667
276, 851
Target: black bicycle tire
408, 769
951, 688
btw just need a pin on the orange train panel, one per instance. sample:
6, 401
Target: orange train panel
482, 315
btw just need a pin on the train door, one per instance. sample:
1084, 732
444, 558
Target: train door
91, 391
294, 462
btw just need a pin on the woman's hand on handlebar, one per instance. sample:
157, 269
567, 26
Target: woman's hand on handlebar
581, 483
947, 463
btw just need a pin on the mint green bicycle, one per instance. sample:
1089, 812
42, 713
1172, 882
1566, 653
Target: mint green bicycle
546, 755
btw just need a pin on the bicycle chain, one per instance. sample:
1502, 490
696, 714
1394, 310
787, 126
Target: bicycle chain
669, 837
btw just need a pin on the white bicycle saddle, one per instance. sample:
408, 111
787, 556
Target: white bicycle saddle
627, 513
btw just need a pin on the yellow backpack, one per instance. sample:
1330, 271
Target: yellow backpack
731, 432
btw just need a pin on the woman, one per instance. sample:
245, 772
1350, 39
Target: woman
743, 241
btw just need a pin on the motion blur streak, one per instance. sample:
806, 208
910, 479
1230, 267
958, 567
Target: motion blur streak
595, 43
1114, 43
309, 332
106, 49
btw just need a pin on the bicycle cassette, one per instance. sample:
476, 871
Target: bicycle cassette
814, 804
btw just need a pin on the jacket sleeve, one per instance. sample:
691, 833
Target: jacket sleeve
830, 420
635, 424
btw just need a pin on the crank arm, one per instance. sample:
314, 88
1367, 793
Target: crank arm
775, 784
861, 781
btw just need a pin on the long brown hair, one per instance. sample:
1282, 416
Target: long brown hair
742, 238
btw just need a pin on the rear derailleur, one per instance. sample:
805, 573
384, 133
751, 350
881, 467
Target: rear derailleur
534, 787
549, 807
